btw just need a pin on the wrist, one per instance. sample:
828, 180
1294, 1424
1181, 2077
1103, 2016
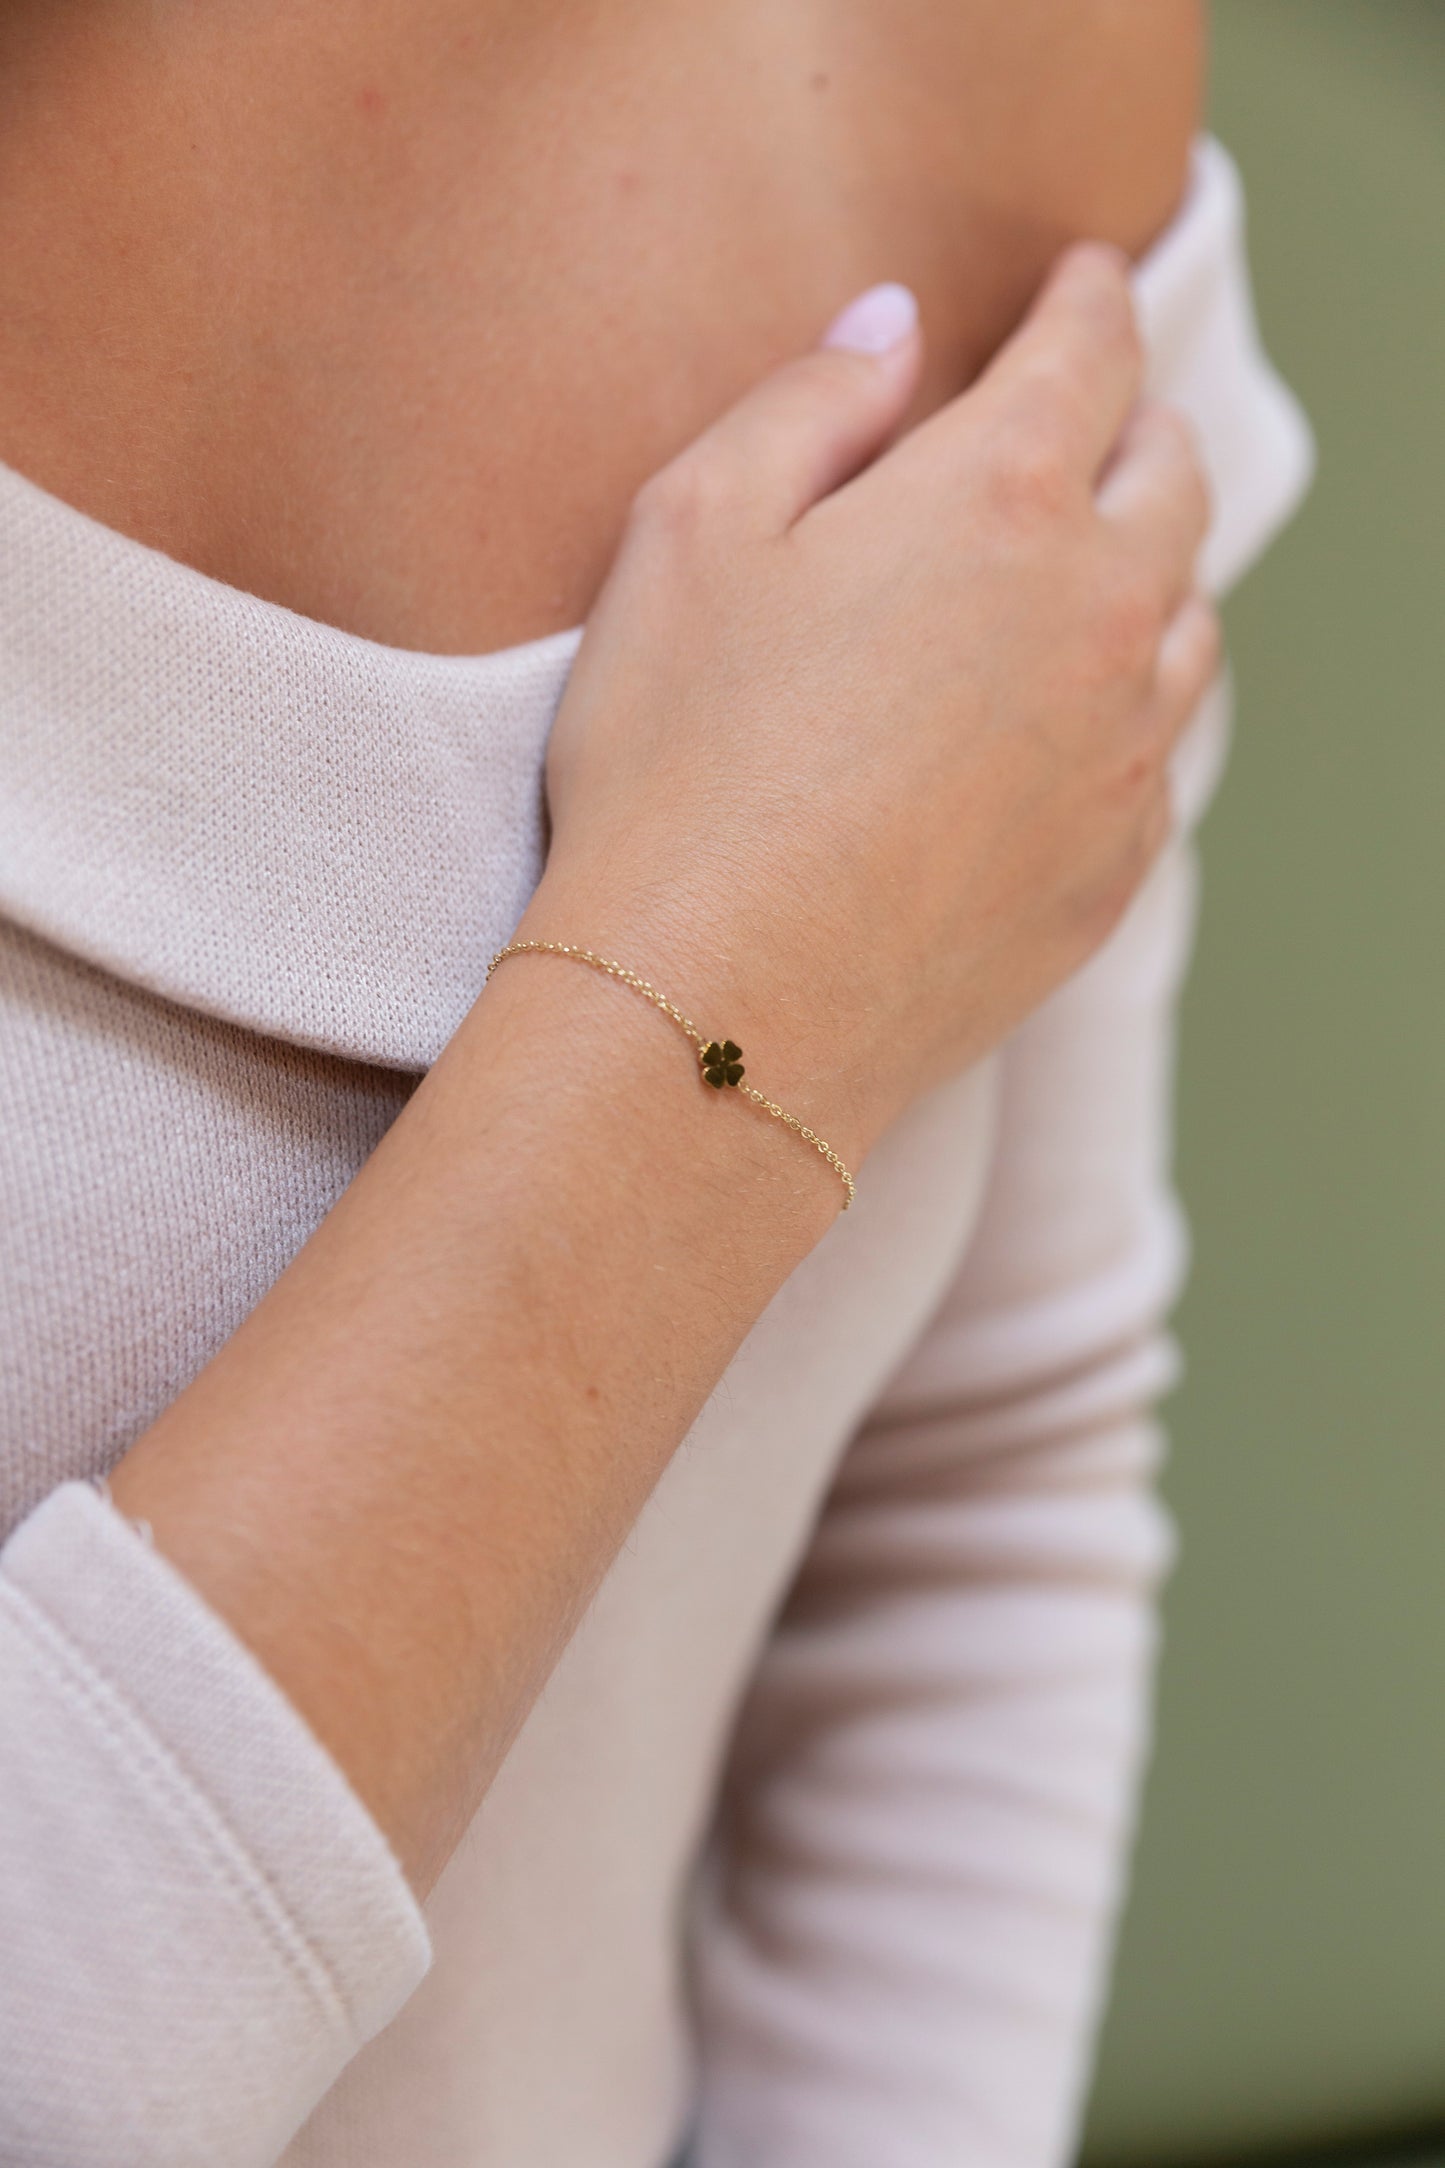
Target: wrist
733, 979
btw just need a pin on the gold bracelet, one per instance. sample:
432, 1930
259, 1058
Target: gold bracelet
720, 1061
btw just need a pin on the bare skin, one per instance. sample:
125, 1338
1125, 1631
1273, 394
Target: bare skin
386, 312
837, 787
385, 309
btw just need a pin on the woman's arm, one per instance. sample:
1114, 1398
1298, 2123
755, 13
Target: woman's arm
402, 1478
855, 770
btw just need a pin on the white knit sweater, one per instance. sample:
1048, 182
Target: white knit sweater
814, 1841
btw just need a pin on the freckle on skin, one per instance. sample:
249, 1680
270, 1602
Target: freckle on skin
819, 80
592, 1393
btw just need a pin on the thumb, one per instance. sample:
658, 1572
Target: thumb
811, 424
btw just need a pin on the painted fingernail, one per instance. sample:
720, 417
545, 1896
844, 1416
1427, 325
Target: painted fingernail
875, 321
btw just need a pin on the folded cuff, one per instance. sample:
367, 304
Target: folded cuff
202, 1921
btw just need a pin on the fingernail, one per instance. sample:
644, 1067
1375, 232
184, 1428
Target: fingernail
877, 320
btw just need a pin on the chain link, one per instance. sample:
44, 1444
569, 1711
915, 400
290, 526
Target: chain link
684, 1024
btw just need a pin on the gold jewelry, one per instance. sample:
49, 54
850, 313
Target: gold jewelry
720, 1061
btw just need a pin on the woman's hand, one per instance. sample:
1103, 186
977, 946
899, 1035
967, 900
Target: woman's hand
877, 738
882, 753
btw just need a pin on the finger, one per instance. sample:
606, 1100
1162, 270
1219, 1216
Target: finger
1076, 363
1154, 494
807, 427
1057, 393
1189, 658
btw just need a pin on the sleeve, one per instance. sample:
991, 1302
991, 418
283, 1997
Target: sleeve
905, 1924
906, 1920
200, 1923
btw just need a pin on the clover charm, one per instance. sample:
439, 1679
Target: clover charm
721, 1064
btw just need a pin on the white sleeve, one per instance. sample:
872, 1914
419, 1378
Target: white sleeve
906, 1923
199, 1922
907, 1919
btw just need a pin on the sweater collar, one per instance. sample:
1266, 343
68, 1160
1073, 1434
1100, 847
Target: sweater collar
263, 818
324, 839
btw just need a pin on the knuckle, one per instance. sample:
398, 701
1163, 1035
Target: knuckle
1124, 333
1180, 440
1181, 452
826, 393
1122, 327
687, 499
1048, 392
1196, 655
1199, 503
836, 377
1030, 475
1098, 287
1132, 778
1126, 625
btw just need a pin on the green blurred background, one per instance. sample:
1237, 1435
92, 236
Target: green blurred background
1281, 1977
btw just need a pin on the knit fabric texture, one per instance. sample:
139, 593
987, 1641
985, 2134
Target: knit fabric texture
812, 1847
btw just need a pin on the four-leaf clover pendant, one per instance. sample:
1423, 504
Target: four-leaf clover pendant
721, 1064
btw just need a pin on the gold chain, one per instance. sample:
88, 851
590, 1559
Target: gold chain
720, 1062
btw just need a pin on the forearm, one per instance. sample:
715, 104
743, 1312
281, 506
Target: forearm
782, 742
402, 1478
